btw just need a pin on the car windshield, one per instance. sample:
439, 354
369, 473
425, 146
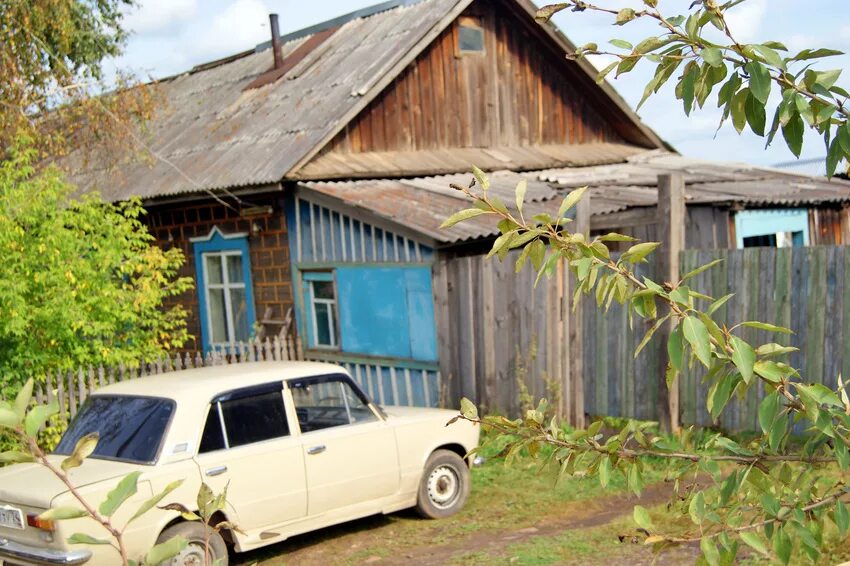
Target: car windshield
131, 429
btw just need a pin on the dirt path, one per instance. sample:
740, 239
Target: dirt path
577, 515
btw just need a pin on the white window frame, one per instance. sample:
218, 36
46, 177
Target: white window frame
225, 285
331, 315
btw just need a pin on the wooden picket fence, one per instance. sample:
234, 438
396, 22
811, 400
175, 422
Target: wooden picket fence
72, 388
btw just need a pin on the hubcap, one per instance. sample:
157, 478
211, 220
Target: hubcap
443, 486
192, 555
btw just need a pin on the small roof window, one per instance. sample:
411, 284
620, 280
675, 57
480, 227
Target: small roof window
470, 36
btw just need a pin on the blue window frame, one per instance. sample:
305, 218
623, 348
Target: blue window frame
225, 292
772, 227
321, 309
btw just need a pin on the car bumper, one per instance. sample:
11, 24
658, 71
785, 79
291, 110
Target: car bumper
15, 551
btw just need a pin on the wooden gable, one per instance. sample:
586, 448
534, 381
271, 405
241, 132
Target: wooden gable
518, 92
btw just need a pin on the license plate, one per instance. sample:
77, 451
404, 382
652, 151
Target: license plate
11, 517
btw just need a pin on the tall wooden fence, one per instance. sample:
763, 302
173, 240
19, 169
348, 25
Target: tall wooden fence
72, 388
805, 289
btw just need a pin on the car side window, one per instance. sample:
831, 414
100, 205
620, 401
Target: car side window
328, 401
245, 416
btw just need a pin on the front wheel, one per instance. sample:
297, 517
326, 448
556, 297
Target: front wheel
193, 555
444, 486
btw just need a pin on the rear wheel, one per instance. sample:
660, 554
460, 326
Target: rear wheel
193, 555
444, 486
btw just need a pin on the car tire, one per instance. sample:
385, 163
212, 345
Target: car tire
194, 532
444, 486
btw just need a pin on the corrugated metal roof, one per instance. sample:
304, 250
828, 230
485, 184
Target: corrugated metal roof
220, 136
436, 161
423, 203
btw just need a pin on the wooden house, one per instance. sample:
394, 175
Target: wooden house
307, 189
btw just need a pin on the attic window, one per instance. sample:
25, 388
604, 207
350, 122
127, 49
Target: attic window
470, 37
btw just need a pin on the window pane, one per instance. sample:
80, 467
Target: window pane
323, 290
329, 401
239, 302
130, 428
213, 269
212, 439
323, 329
218, 318
234, 269
254, 419
471, 39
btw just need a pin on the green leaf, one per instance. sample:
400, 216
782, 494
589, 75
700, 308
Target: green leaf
150, 503
709, 551
15, 457
793, 134
782, 546
481, 177
696, 334
806, 54
842, 517
718, 303
700, 269
62, 514
125, 489
521, 188
771, 371
461, 216
468, 409
38, 416
760, 81
571, 200
638, 252
22, 400
166, 551
713, 56
8, 418
772, 57
641, 517
768, 411
537, 254
600, 76
754, 541
676, 348
615, 237
766, 326
502, 243
696, 508
739, 109
833, 157
545, 13
648, 336
622, 44
83, 449
755, 112
743, 357
777, 432
681, 295
80, 538
720, 393
604, 471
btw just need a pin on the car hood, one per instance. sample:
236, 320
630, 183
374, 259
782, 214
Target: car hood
35, 486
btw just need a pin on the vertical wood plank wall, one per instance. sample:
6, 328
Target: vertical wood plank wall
516, 93
495, 328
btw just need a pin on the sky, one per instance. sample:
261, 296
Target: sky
171, 36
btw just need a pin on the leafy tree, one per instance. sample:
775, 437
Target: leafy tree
702, 48
783, 492
81, 281
51, 61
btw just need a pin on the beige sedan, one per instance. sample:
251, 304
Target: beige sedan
298, 444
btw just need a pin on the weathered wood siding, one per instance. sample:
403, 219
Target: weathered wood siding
495, 329
519, 92
804, 289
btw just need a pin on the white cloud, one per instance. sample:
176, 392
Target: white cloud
156, 16
240, 25
745, 19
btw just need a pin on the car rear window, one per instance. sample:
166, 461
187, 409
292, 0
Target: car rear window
131, 428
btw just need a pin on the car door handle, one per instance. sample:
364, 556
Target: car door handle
316, 449
217, 471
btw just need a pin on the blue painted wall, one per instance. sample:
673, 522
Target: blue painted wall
385, 306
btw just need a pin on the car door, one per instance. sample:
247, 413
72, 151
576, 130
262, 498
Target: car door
247, 446
349, 451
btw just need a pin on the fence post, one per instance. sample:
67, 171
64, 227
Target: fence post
671, 230
574, 372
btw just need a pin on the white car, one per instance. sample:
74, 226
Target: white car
298, 445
